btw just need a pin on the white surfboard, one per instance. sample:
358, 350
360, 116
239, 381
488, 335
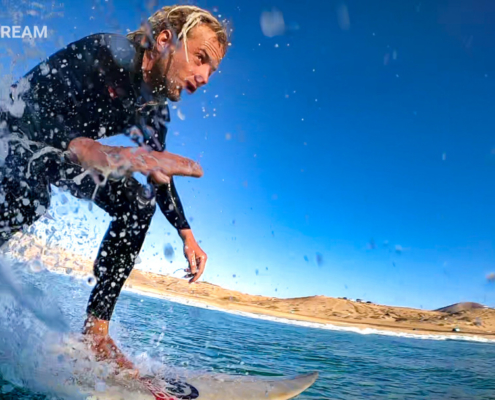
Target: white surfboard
182, 386
209, 387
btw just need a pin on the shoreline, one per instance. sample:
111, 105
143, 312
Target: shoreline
313, 322
461, 321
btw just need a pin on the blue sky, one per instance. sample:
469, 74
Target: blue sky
353, 155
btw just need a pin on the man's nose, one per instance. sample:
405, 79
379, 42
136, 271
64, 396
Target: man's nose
202, 77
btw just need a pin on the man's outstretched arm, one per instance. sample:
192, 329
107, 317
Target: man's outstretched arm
108, 160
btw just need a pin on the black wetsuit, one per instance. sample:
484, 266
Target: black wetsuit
92, 88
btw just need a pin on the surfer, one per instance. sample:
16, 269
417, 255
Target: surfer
99, 86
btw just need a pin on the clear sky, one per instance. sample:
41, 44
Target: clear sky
353, 154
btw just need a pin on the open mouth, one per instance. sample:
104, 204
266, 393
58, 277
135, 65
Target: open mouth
190, 88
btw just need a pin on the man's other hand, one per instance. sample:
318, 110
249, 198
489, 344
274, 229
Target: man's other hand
195, 256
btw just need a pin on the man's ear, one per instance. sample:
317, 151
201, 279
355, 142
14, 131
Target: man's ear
165, 42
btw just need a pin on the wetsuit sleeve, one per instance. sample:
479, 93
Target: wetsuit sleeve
152, 119
171, 206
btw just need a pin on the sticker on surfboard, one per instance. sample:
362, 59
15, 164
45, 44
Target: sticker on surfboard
178, 389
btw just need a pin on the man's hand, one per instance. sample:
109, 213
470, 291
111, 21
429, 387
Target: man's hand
194, 255
159, 165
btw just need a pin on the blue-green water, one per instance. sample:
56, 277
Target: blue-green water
351, 365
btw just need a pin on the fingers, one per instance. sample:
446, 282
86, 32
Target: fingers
184, 166
193, 268
161, 166
159, 177
173, 164
146, 162
200, 268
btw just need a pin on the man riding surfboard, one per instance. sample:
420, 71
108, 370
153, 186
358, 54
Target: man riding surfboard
99, 86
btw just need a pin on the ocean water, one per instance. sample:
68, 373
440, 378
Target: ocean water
157, 331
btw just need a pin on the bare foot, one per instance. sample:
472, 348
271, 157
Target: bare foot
106, 349
96, 336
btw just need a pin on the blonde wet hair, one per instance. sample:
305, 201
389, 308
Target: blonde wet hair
180, 19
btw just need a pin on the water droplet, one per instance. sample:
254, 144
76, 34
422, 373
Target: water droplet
168, 251
36, 266
91, 281
319, 259
343, 17
272, 23
7, 389
62, 211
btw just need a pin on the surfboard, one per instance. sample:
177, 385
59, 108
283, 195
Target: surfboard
209, 387
185, 385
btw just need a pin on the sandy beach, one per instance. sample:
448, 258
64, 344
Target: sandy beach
466, 319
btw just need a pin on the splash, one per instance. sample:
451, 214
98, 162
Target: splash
39, 354
11, 96
29, 297
29, 323
42, 358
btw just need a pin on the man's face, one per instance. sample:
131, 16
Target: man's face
172, 71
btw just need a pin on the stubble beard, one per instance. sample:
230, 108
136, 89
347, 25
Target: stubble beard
165, 80
172, 91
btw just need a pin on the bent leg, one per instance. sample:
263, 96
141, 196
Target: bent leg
118, 252
131, 207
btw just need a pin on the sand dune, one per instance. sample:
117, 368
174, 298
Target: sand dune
459, 307
467, 318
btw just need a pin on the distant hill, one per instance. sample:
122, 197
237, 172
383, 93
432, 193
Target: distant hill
459, 307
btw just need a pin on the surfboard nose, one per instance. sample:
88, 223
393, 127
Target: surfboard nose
215, 387
292, 386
